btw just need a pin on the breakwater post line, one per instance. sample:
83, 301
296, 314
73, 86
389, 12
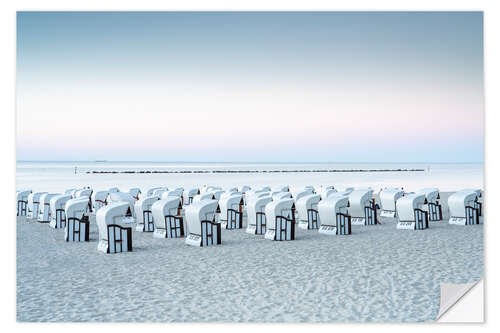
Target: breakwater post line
252, 171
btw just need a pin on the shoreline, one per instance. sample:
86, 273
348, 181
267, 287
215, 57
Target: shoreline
255, 171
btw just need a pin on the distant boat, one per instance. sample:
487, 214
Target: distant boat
100, 161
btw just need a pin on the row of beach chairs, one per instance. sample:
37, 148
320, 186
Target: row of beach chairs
201, 213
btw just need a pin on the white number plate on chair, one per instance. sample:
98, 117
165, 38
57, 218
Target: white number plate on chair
193, 240
358, 221
457, 220
328, 230
406, 225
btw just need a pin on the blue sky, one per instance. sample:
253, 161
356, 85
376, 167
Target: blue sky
250, 86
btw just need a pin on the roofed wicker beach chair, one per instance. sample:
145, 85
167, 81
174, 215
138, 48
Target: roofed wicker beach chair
256, 213
99, 199
363, 209
57, 210
335, 218
307, 211
77, 222
34, 205
201, 222
124, 197
167, 218
411, 213
135, 192
280, 220
432, 201
203, 196
189, 194
144, 214
44, 207
22, 202
388, 198
231, 211
464, 208
115, 234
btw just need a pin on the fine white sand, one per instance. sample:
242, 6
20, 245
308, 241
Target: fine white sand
377, 274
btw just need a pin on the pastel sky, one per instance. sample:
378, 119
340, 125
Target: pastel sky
250, 86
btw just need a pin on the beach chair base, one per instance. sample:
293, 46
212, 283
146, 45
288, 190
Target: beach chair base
210, 235
284, 229
77, 230
119, 240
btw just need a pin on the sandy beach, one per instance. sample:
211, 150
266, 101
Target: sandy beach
377, 274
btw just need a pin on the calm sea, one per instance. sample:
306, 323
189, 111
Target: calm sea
58, 176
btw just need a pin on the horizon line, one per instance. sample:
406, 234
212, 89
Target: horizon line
267, 162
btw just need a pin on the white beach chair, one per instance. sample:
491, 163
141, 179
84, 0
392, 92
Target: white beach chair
231, 211
77, 224
280, 220
335, 218
114, 234
410, 212
302, 193
22, 202
326, 192
188, 195
203, 196
144, 215
99, 199
277, 196
34, 205
256, 214
432, 201
83, 193
124, 197
202, 226
57, 212
363, 210
243, 189
167, 218
463, 207
388, 198
149, 192
135, 192
307, 211
44, 207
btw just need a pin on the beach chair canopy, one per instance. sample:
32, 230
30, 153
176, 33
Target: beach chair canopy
76, 207
204, 210
135, 191
203, 197
406, 205
165, 207
281, 195
388, 198
279, 208
329, 207
257, 205
245, 188
34, 197
99, 195
142, 205
305, 203
459, 200
431, 194
231, 202
83, 193
358, 200
23, 195
59, 202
